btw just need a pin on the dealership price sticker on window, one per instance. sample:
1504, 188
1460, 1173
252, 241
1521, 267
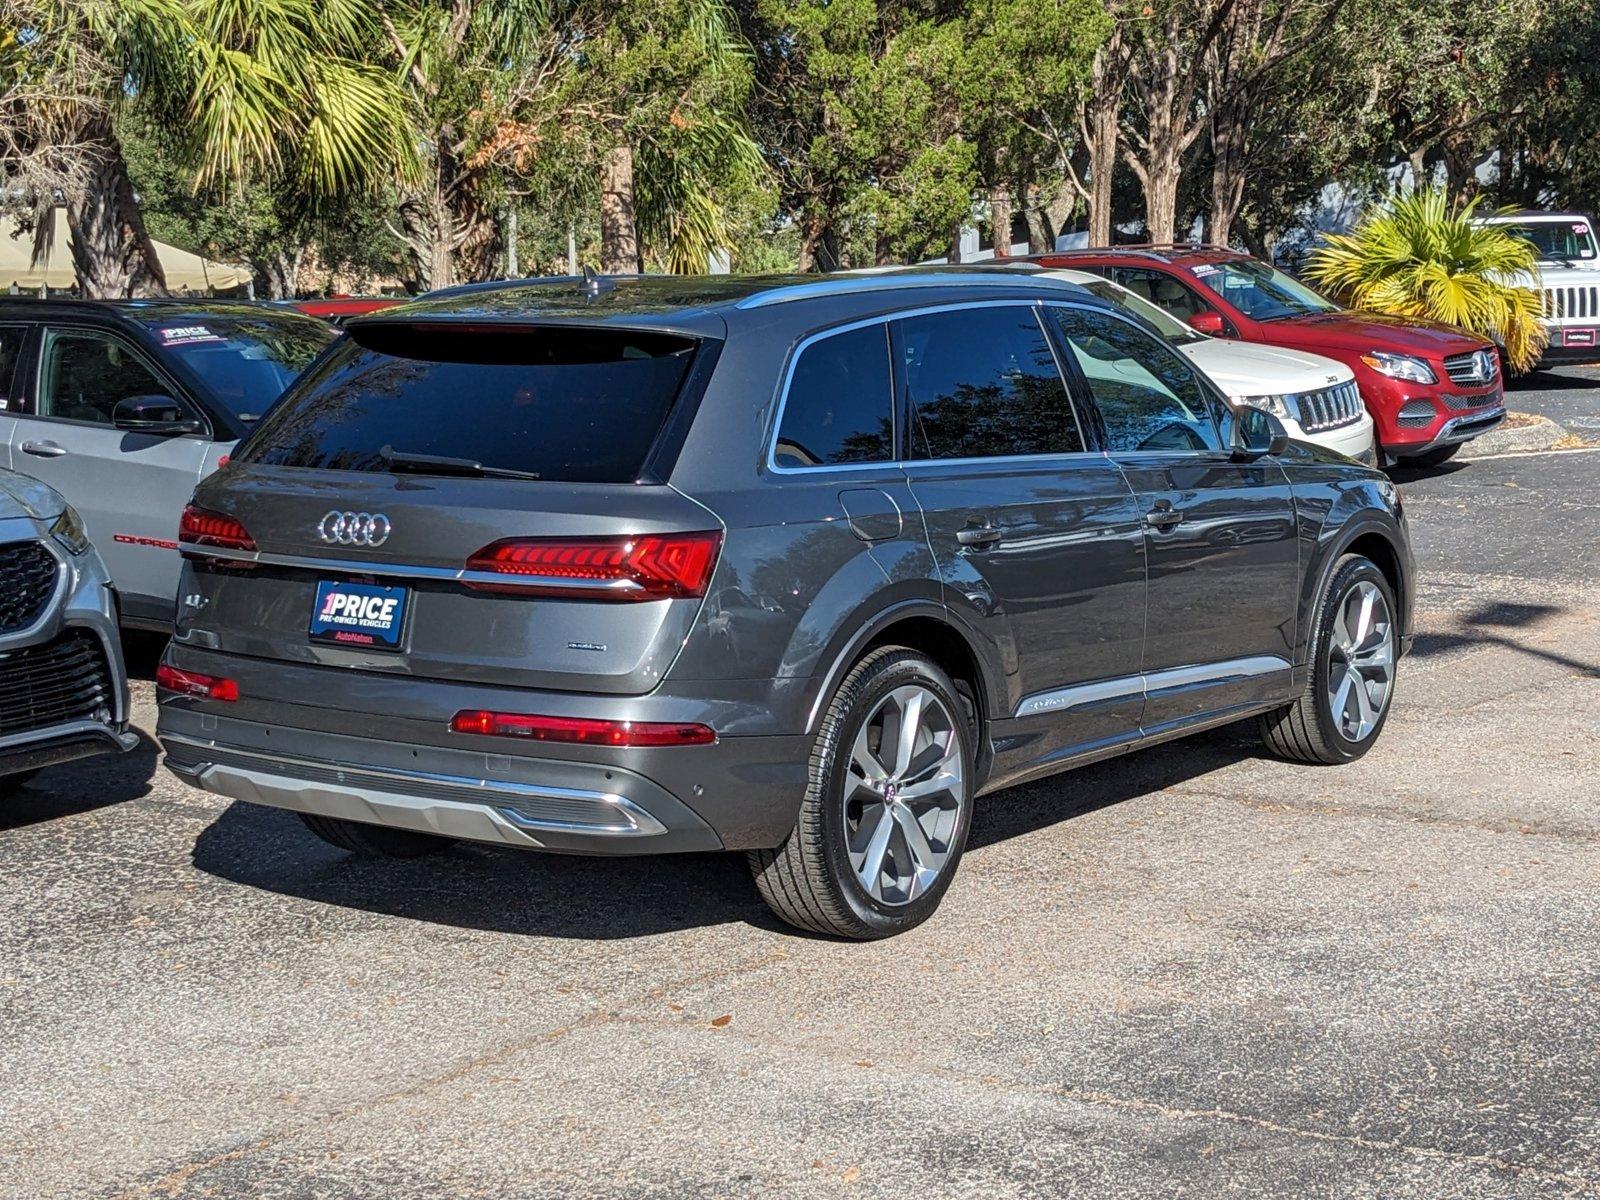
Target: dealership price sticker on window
359, 615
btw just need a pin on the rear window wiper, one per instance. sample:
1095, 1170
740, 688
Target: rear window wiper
405, 462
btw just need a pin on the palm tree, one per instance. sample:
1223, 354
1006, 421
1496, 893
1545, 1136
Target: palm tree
671, 80
253, 86
1422, 257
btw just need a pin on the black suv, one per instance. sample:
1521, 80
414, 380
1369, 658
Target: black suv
799, 567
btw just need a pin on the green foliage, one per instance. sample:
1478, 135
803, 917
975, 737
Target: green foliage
1422, 257
265, 221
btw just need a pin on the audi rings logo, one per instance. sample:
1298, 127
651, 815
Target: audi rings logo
354, 528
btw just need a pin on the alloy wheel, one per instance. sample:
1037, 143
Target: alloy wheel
903, 792
1360, 661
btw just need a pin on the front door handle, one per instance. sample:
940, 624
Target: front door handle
979, 536
1163, 516
44, 449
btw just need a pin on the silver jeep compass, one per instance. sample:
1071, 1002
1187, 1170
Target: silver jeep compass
798, 567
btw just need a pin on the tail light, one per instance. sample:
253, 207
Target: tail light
193, 683
202, 527
654, 566
582, 731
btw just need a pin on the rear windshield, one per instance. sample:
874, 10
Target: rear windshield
244, 360
566, 404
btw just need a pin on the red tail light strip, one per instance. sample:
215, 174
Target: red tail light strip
671, 566
193, 683
582, 731
202, 527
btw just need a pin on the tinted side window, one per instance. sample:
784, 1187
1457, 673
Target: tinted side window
1148, 396
84, 374
840, 404
11, 338
984, 384
1162, 290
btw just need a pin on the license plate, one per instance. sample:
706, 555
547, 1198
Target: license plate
1578, 337
360, 615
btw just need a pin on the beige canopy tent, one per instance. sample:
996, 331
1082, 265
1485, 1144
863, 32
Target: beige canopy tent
187, 274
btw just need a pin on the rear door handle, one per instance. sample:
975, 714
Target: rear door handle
1163, 516
979, 535
43, 449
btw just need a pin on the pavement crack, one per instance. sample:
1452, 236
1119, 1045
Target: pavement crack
172, 1182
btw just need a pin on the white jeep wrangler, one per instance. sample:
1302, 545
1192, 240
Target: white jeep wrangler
1568, 278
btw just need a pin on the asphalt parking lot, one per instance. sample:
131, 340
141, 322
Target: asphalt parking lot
1189, 972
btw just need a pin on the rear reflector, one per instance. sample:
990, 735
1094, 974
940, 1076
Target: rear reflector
582, 731
193, 683
655, 566
202, 527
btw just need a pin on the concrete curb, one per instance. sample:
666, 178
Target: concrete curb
1541, 435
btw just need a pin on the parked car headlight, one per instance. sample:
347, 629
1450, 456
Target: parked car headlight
1282, 407
1400, 366
69, 533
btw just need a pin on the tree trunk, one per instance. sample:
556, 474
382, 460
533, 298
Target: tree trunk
619, 235
1000, 219
111, 251
1227, 173
1104, 116
282, 270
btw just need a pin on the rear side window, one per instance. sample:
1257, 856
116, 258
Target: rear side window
840, 404
984, 384
568, 404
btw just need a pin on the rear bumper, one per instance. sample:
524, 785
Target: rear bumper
380, 750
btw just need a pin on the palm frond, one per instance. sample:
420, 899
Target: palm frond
1421, 258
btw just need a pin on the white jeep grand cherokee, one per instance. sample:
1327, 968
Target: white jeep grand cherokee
1316, 398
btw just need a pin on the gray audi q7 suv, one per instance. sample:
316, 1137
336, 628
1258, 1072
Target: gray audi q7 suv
800, 567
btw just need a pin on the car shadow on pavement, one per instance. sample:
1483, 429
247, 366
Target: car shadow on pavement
1029, 807
1551, 381
82, 786
1407, 473
473, 886
512, 891
1491, 625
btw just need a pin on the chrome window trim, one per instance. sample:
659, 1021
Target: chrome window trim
1148, 683
885, 319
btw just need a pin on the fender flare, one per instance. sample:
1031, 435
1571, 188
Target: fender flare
1362, 523
843, 658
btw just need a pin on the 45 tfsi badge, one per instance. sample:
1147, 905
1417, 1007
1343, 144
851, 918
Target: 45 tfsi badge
358, 614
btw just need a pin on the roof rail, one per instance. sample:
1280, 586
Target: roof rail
911, 277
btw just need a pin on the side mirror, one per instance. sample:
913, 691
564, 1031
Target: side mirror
1209, 321
1256, 432
158, 415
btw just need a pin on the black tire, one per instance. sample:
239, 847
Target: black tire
1436, 457
1304, 730
375, 841
808, 881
